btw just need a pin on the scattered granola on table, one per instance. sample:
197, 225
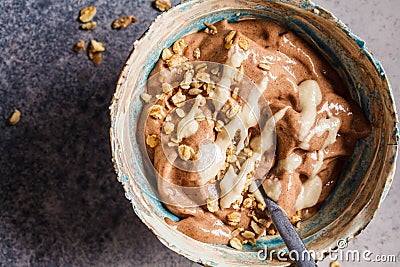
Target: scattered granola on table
79, 46
123, 22
89, 25
162, 5
95, 52
15, 117
87, 14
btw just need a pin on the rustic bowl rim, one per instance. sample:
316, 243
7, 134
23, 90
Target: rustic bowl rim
306, 4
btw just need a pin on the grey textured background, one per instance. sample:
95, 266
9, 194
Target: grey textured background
60, 203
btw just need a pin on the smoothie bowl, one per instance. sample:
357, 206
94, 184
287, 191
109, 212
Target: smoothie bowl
219, 93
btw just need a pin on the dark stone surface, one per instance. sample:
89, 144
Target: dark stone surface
60, 202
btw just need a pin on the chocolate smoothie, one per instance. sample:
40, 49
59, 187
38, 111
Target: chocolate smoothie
295, 131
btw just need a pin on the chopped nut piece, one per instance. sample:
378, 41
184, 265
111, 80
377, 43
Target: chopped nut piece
167, 105
123, 22
211, 28
247, 203
264, 66
89, 25
15, 117
194, 91
243, 44
185, 152
202, 67
172, 144
229, 45
157, 112
87, 14
163, 5
235, 93
146, 97
196, 84
233, 111
248, 152
271, 231
169, 127
175, 140
295, 219
248, 234
187, 79
229, 39
95, 57
179, 46
257, 229
235, 243
180, 112
96, 46
230, 36
196, 53
203, 77
251, 213
178, 99
166, 54
253, 241
231, 158
261, 206
215, 71
255, 218
79, 46
234, 218
235, 206
212, 204
152, 140
237, 231
175, 61
167, 88
334, 264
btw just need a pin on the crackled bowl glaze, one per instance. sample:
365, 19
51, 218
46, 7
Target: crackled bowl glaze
366, 177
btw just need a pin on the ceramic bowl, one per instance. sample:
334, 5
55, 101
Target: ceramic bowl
366, 177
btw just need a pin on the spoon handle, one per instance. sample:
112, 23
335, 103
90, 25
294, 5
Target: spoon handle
288, 233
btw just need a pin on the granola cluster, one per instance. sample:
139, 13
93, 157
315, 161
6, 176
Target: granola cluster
96, 48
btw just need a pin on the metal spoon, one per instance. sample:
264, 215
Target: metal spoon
287, 231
